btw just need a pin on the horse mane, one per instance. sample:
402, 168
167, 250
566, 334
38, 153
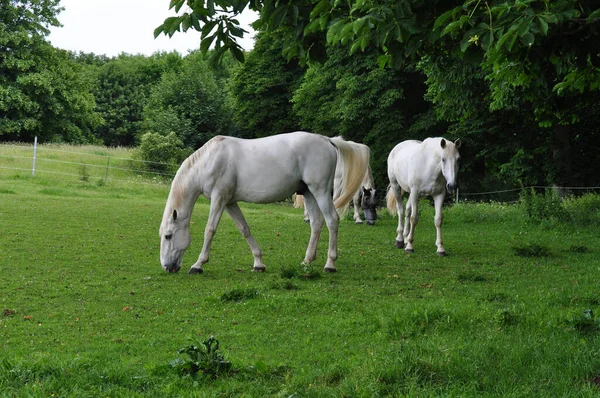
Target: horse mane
180, 185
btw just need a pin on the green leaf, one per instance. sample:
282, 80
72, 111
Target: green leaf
206, 42
594, 15
321, 6
355, 47
334, 30
186, 22
195, 22
543, 25
358, 24
158, 31
452, 26
238, 53
208, 27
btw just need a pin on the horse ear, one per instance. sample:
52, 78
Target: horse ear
174, 214
443, 143
457, 143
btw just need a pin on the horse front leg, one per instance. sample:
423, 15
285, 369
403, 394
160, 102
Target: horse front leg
216, 211
356, 203
240, 222
412, 214
438, 220
316, 225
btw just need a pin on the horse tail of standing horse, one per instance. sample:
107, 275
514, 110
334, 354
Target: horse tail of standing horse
390, 200
298, 201
355, 161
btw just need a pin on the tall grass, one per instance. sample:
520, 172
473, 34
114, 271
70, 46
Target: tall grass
87, 310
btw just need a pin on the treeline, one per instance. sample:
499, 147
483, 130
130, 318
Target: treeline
171, 104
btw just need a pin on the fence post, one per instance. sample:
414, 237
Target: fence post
34, 155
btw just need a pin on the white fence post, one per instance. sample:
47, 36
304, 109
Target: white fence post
34, 155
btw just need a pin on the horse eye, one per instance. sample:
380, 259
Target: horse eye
168, 236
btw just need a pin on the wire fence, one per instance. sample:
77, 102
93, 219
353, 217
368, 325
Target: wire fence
104, 165
86, 163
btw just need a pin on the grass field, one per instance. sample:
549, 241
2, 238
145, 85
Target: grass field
89, 312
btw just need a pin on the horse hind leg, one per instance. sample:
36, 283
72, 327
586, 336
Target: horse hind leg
316, 225
240, 222
396, 191
412, 214
326, 207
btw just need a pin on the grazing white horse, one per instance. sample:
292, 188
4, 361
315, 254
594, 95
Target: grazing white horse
427, 168
363, 198
228, 170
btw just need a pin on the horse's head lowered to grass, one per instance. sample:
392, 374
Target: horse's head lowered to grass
369, 205
174, 239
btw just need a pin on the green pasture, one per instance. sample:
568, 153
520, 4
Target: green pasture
87, 310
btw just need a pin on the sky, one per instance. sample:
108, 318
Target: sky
111, 27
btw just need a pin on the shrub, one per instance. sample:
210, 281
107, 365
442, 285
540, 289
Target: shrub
583, 210
542, 206
161, 153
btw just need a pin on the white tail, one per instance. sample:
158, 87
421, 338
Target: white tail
391, 202
355, 161
298, 201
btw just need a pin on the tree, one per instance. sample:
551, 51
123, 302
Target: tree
538, 59
261, 90
123, 85
188, 102
42, 91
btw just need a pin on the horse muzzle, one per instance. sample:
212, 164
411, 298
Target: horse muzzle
370, 216
451, 187
173, 267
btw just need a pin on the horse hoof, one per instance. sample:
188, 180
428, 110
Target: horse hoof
399, 245
409, 251
327, 269
307, 220
259, 269
370, 222
358, 222
193, 271
442, 254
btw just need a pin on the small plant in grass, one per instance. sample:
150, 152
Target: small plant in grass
471, 276
203, 358
301, 271
531, 250
84, 173
578, 249
239, 295
586, 323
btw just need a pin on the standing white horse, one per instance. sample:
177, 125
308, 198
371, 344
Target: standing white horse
228, 170
427, 168
363, 198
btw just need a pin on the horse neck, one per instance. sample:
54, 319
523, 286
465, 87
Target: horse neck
185, 188
368, 181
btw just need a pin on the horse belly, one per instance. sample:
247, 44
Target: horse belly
267, 188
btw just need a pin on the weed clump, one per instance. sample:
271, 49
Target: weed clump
531, 250
238, 295
586, 323
302, 271
203, 358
